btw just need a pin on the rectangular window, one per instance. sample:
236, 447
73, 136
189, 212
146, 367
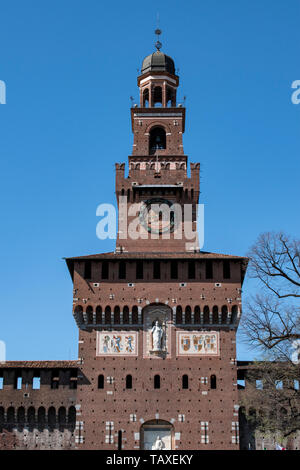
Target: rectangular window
139, 270
174, 270
191, 270
73, 379
55, 379
87, 270
122, 270
259, 384
226, 269
209, 269
156, 270
19, 383
241, 383
36, 383
105, 270
279, 384
296, 384
1, 383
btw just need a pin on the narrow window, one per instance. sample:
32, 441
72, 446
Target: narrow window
105, 270
73, 379
174, 270
139, 270
36, 383
87, 270
157, 381
128, 381
101, 381
226, 269
54, 379
185, 381
119, 440
156, 270
1, 383
18, 381
213, 382
208, 269
191, 270
241, 384
259, 384
122, 270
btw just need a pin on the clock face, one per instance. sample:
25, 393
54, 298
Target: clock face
152, 218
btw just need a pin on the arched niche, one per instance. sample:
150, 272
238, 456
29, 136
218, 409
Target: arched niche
157, 434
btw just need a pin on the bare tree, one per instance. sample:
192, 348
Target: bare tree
271, 322
272, 318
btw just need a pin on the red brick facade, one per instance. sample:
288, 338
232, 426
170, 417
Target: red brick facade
157, 318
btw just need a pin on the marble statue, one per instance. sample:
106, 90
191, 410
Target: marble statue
157, 337
158, 444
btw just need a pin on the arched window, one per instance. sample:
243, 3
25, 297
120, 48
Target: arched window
126, 315
157, 381
157, 96
21, 415
89, 314
185, 381
107, 315
234, 312
171, 97
224, 314
128, 381
215, 315
213, 382
31, 415
78, 313
51, 416
117, 315
41, 416
72, 415
98, 314
101, 381
135, 315
10, 415
62, 415
188, 315
197, 317
146, 98
157, 140
206, 314
179, 315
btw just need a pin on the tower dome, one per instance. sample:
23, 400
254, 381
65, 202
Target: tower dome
158, 62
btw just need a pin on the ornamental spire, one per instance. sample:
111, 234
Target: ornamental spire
158, 44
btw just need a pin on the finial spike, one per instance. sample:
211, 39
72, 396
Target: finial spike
158, 44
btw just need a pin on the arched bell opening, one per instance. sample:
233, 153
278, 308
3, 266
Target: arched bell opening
157, 97
157, 140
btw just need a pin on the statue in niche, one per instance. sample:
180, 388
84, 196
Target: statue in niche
157, 337
158, 444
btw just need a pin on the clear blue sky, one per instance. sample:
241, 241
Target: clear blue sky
70, 67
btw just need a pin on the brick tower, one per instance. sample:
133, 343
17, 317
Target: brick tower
157, 318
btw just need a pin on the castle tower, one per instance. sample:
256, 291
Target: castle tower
157, 317
157, 177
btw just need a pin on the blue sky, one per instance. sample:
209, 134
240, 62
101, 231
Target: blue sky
70, 68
